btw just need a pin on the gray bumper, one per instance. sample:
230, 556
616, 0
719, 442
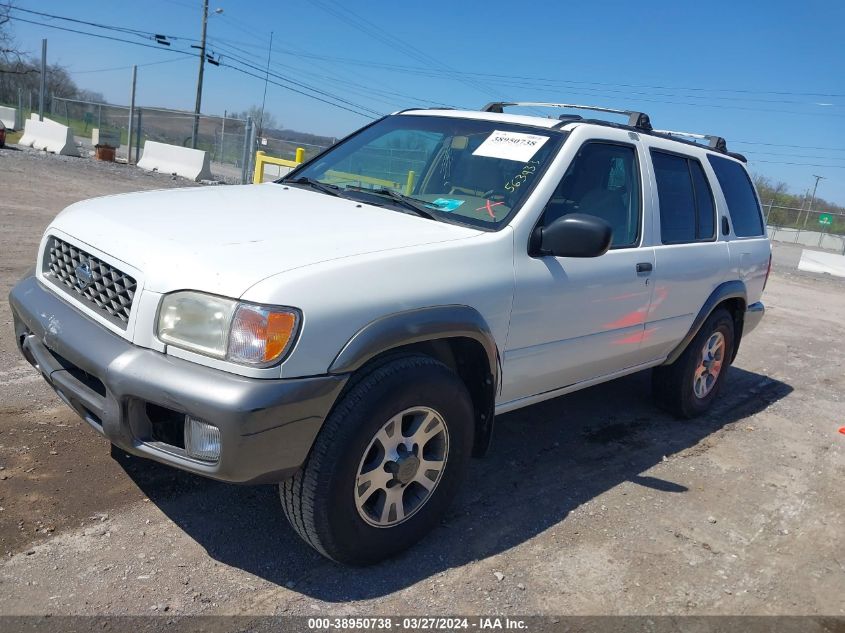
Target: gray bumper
753, 315
137, 397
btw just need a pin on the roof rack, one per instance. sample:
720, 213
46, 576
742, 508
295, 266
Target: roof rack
714, 142
637, 120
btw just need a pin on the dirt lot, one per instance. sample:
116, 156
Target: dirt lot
593, 503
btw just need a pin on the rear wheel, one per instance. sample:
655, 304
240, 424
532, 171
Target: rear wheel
386, 464
688, 387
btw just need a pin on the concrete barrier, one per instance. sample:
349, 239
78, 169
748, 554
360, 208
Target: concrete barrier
173, 159
817, 262
34, 117
48, 136
9, 116
805, 237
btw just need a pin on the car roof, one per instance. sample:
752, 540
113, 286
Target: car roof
683, 139
518, 119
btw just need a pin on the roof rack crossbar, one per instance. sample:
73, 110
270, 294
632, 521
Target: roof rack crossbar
715, 142
638, 120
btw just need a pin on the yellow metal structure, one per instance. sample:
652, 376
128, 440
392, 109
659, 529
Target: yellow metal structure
262, 159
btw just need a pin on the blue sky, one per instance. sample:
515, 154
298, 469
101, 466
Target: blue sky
770, 77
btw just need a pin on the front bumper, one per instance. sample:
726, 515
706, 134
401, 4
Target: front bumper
138, 397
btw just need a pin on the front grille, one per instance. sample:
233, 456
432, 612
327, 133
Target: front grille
90, 279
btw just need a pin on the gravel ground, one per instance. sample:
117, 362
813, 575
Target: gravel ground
593, 503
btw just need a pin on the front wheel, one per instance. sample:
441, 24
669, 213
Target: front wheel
386, 464
689, 386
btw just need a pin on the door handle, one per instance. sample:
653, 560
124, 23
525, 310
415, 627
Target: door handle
644, 267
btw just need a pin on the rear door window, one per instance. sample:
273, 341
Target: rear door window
687, 212
739, 194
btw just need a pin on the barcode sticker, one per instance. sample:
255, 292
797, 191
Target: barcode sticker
511, 146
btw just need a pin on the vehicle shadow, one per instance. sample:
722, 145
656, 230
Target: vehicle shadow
546, 460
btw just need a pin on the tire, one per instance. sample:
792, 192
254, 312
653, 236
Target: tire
682, 388
324, 501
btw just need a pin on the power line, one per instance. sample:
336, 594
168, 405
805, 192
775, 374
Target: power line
600, 93
275, 83
275, 75
171, 50
450, 73
753, 153
828, 149
113, 68
122, 29
515, 81
101, 36
393, 42
535, 81
776, 162
585, 91
291, 71
350, 86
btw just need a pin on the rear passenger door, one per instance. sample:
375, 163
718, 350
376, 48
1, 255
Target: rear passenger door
691, 258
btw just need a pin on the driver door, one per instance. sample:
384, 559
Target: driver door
577, 319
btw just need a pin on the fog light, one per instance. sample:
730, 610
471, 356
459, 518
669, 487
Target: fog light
202, 440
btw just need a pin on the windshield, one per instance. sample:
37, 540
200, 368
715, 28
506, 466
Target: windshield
469, 171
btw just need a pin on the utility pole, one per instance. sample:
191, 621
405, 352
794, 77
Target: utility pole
813, 198
266, 80
43, 80
131, 117
198, 105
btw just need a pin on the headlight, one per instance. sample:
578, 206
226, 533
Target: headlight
196, 321
224, 328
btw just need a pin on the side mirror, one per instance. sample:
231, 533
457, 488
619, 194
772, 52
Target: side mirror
573, 235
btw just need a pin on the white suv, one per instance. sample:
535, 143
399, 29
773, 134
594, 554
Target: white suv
352, 330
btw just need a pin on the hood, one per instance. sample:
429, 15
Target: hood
225, 239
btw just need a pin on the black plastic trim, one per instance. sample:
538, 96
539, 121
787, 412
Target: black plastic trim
424, 325
416, 326
733, 289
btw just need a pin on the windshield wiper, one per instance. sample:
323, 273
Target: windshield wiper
332, 190
405, 201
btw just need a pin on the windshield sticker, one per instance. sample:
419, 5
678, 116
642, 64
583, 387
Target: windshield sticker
514, 183
445, 204
511, 146
489, 208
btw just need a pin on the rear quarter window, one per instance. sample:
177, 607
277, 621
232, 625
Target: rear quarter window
739, 194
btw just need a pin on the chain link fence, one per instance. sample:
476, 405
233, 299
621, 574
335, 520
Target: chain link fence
818, 229
223, 138
228, 141
285, 148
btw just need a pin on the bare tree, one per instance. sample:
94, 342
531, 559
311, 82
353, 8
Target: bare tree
267, 123
9, 50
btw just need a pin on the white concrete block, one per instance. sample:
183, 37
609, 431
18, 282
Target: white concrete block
174, 159
34, 117
818, 262
8, 116
49, 136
